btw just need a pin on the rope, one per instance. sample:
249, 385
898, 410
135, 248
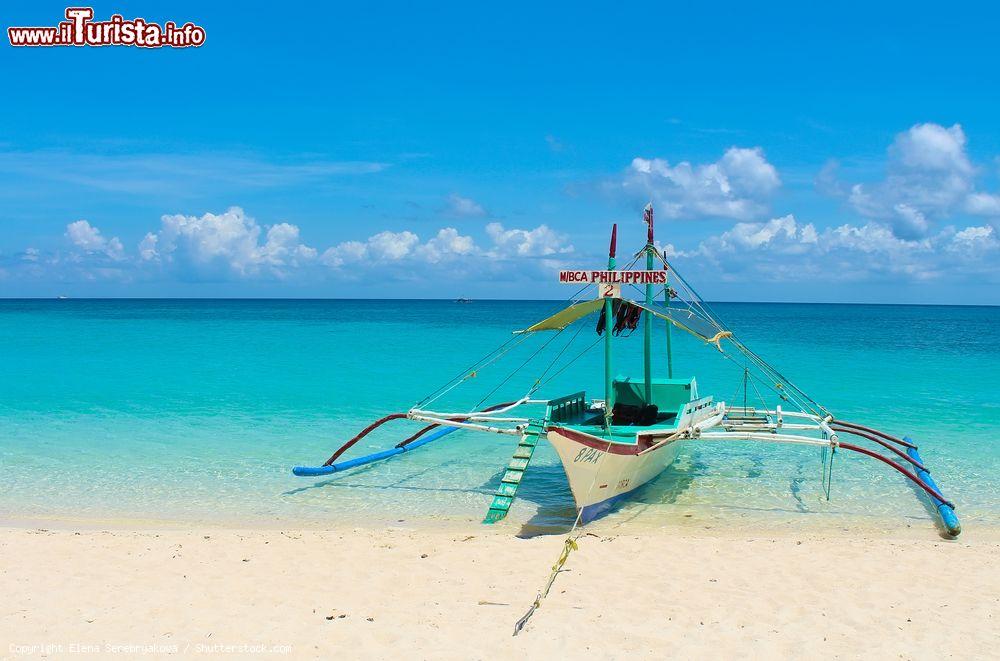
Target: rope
519, 367
571, 539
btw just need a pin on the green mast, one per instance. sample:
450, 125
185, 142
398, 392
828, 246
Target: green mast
647, 329
609, 394
666, 303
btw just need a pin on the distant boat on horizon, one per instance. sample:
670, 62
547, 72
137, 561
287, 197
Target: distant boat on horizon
463, 300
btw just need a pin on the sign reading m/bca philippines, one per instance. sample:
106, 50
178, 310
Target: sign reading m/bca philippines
613, 277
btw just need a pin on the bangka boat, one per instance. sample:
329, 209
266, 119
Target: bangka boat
611, 446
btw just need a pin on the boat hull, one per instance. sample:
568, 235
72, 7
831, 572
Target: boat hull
600, 475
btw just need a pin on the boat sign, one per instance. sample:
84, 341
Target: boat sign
614, 277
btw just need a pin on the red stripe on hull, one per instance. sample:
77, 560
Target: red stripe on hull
645, 442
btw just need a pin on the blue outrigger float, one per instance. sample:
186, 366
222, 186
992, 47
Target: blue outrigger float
611, 446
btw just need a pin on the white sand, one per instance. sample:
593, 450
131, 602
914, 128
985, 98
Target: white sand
663, 593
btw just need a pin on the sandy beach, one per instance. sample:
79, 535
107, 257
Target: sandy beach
456, 593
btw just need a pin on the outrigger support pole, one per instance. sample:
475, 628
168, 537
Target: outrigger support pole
411, 443
945, 509
327, 469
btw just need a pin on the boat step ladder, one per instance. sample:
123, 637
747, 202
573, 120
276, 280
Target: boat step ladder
511, 480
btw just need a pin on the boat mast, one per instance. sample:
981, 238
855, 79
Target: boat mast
608, 325
666, 304
647, 329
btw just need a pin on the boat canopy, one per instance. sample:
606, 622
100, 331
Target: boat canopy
682, 318
566, 316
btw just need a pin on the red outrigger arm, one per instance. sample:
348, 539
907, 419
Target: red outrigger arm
396, 416
885, 444
894, 439
364, 432
916, 480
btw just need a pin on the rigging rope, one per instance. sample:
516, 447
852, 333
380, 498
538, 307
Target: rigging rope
519, 367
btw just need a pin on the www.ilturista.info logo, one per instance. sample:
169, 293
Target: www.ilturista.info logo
79, 29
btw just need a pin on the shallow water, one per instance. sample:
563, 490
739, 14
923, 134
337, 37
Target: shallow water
197, 410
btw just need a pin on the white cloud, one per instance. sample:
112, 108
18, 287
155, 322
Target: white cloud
225, 244
974, 241
384, 247
464, 206
931, 147
283, 248
785, 249
88, 238
391, 246
736, 186
778, 235
152, 174
538, 242
929, 176
447, 242
448, 248
147, 247
983, 204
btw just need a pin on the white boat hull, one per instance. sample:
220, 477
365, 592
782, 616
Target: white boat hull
602, 473
599, 477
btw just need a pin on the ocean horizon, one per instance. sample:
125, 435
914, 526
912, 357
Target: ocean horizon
455, 299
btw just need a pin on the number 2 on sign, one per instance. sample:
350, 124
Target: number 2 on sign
610, 291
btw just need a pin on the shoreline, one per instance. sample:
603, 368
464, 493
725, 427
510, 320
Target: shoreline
457, 594
686, 521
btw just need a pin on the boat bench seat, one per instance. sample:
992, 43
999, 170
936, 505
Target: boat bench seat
628, 414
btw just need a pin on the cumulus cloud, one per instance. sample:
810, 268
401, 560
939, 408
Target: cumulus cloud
448, 245
539, 242
225, 244
786, 249
382, 247
447, 242
736, 186
975, 241
464, 207
89, 238
929, 176
983, 204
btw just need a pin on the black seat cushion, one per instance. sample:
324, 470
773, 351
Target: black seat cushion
624, 414
647, 415
627, 414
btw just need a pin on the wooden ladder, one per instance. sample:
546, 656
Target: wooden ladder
512, 476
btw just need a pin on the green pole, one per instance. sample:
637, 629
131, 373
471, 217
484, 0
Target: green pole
609, 393
647, 329
666, 303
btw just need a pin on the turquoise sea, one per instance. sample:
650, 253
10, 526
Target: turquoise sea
167, 411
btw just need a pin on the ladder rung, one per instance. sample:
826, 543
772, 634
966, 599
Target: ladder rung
518, 463
506, 489
492, 516
512, 476
501, 502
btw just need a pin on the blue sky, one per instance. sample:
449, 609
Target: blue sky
792, 153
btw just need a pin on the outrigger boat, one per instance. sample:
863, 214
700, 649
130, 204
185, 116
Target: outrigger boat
611, 446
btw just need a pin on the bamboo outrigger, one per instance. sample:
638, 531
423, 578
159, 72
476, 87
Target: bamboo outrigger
612, 446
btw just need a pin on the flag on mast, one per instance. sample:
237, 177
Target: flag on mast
647, 217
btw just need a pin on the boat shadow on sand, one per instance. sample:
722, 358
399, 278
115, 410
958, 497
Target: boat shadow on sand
557, 518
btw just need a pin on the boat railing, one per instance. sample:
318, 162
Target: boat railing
569, 407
